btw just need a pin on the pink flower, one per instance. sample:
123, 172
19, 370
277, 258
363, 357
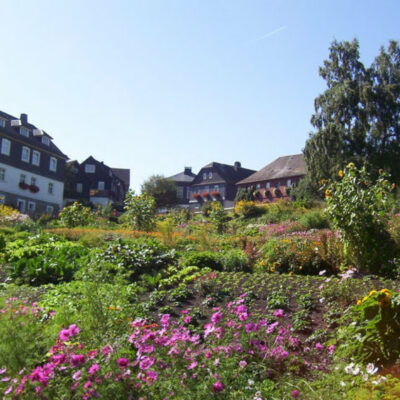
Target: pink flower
319, 346
123, 362
187, 319
192, 365
8, 390
93, 369
295, 394
165, 320
64, 335
242, 363
77, 375
77, 359
215, 318
279, 313
243, 317
218, 387
146, 362
73, 330
331, 349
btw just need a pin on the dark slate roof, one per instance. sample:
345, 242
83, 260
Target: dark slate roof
123, 174
282, 167
185, 177
228, 173
32, 139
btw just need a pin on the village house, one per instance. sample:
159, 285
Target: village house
276, 179
94, 182
183, 181
216, 181
31, 167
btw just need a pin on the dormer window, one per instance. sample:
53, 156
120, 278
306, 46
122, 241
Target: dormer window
90, 168
210, 175
204, 176
46, 140
24, 131
2, 122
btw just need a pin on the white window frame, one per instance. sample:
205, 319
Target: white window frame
31, 206
36, 154
27, 152
5, 146
210, 175
23, 205
79, 187
49, 209
268, 185
24, 131
22, 178
53, 164
100, 185
90, 168
3, 122
33, 181
46, 140
50, 188
288, 182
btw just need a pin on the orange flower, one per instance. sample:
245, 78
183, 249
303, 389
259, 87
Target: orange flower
340, 173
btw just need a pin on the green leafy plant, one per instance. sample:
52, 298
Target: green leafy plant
75, 215
140, 211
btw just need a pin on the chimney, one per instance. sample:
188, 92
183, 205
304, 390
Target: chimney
24, 118
237, 165
188, 170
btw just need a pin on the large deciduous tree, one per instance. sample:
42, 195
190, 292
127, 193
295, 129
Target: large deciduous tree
357, 118
162, 189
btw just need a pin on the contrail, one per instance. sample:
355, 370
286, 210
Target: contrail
269, 34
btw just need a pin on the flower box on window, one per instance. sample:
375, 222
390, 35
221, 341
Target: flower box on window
277, 192
33, 188
196, 196
205, 195
23, 185
215, 193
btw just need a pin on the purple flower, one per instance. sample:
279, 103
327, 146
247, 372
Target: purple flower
279, 313
123, 362
77, 359
331, 349
187, 319
295, 394
146, 362
64, 335
165, 321
93, 369
215, 318
192, 365
218, 387
73, 330
319, 346
242, 363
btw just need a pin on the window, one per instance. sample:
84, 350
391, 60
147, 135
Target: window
277, 185
24, 131
288, 182
22, 178
2, 174
50, 188
179, 192
258, 186
49, 209
100, 185
26, 153
21, 205
204, 176
2, 122
79, 187
31, 206
33, 181
90, 168
53, 164
210, 175
5, 147
2, 198
267, 185
35, 157
46, 140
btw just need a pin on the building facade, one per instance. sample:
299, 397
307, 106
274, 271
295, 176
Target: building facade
31, 167
217, 182
94, 182
276, 179
183, 180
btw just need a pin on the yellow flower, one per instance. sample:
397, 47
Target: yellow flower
386, 291
327, 193
372, 292
351, 165
365, 299
340, 173
358, 302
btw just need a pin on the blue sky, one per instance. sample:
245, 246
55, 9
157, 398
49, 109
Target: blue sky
158, 85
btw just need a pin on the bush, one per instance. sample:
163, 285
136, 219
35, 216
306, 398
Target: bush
358, 209
234, 260
247, 209
43, 259
315, 219
134, 258
202, 259
140, 211
376, 328
75, 215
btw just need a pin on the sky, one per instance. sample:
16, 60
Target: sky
155, 86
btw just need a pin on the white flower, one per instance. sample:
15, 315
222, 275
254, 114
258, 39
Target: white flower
250, 382
371, 369
365, 377
349, 368
342, 383
321, 300
356, 370
323, 271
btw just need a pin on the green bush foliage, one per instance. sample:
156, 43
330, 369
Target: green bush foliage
202, 259
140, 211
75, 215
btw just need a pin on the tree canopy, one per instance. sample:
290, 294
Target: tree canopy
357, 118
162, 189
